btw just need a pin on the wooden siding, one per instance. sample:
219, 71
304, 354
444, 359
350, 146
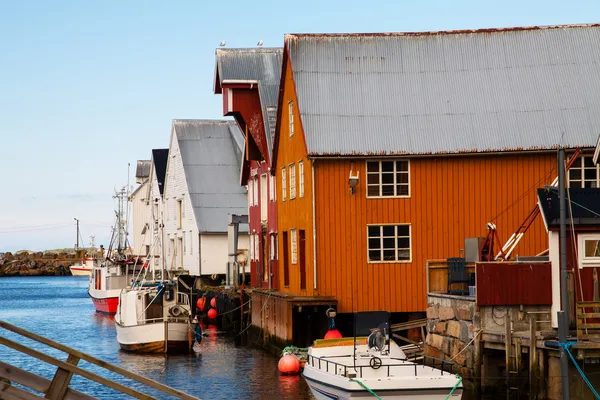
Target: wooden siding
272, 314
294, 213
451, 198
437, 276
506, 283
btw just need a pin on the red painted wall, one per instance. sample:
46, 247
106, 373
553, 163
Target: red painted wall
505, 283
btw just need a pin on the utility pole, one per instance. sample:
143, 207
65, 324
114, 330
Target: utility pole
77, 243
563, 315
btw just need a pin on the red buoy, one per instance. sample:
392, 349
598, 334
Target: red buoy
213, 302
289, 365
333, 334
212, 313
201, 303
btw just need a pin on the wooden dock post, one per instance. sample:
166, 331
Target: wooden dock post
533, 359
477, 365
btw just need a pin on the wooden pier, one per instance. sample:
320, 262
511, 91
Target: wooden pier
58, 388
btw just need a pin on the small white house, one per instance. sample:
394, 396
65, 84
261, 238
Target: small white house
201, 190
140, 210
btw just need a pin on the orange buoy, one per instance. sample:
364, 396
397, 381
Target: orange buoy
212, 313
201, 303
333, 334
213, 302
289, 365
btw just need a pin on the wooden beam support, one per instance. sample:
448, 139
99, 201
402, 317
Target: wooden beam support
62, 380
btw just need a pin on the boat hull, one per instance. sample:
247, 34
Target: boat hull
150, 337
322, 391
106, 305
80, 271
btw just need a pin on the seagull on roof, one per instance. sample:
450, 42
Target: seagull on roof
222, 43
260, 43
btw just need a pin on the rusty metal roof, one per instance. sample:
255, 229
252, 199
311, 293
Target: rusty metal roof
450, 92
211, 153
262, 65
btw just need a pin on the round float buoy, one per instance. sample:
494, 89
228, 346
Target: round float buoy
212, 313
289, 365
333, 334
213, 302
201, 303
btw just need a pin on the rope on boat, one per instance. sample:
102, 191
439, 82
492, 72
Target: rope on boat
566, 346
455, 386
367, 389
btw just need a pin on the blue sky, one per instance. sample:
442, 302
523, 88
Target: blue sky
89, 86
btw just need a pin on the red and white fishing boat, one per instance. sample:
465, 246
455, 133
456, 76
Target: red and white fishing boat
116, 270
83, 268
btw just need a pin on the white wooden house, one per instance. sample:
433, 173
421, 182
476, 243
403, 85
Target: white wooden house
140, 210
201, 189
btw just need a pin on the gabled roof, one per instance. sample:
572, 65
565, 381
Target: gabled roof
138, 188
258, 65
210, 154
160, 157
585, 205
490, 90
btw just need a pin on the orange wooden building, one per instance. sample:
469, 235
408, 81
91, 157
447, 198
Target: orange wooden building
392, 149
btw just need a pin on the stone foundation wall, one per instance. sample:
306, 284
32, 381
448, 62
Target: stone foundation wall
452, 324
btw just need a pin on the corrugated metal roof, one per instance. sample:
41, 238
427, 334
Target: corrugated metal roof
143, 168
160, 157
211, 154
448, 92
258, 64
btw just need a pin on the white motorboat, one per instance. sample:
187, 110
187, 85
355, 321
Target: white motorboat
155, 317
84, 268
356, 367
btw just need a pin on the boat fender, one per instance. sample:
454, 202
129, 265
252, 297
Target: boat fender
198, 333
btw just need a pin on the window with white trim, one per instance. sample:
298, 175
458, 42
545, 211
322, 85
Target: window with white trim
291, 117
292, 168
388, 178
584, 174
294, 246
271, 187
283, 184
272, 246
301, 178
256, 243
250, 194
389, 243
589, 250
251, 247
255, 191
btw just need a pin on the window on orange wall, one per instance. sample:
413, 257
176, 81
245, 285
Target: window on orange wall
300, 178
291, 117
389, 243
292, 169
389, 178
283, 184
294, 243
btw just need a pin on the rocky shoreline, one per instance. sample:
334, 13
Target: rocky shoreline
36, 264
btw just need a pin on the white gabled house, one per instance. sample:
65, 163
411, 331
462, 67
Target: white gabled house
201, 190
156, 183
140, 210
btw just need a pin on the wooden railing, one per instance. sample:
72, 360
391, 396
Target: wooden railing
588, 321
437, 275
58, 387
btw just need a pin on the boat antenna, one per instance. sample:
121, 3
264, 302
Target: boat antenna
126, 228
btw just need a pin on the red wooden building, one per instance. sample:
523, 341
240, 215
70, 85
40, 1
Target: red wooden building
248, 80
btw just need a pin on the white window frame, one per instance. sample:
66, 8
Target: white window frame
581, 182
250, 194
264, 202
395, 237
395, 174
184, 242
251, 245
256, 247
272, 190
301, 178
292, 173
272, 246
294, 246
283, 184
583, 260
255, 191
291, 117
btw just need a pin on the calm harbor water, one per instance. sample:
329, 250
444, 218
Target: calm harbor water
60, 309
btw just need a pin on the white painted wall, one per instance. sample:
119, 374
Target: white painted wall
176, 189
156, 211
140, 213
214, 252
554, 254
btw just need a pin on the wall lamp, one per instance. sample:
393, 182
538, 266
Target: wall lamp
353, 182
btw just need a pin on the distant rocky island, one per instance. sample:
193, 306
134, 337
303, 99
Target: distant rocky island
28, 263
